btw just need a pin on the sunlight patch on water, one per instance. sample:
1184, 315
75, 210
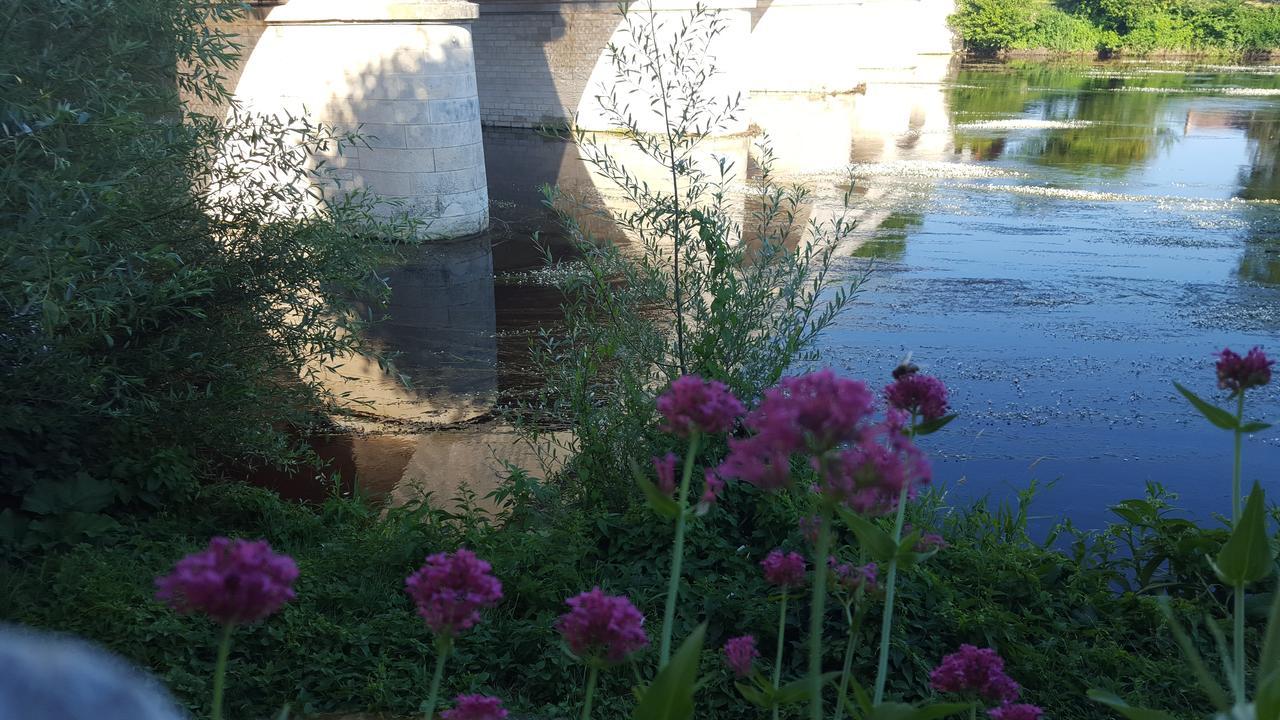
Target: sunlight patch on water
1163, 201
1024, 124
928, 169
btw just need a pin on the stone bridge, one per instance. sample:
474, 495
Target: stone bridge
422, 77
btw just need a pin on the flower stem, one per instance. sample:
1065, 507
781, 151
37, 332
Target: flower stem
443, 646
677, 553
817, 609
1235, 470
855, 626
777, 657
890, 586
220, 670
973, 711
592, 673
1236, 512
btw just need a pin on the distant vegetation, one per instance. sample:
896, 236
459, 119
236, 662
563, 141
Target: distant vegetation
1137, 27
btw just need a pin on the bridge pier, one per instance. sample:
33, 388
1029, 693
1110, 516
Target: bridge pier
403, 72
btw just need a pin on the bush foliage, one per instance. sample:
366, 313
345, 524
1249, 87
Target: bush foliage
1138, 27
158, 310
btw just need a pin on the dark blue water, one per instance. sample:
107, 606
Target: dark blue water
1124, 227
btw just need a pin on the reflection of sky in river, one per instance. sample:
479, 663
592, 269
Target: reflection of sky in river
1061, 319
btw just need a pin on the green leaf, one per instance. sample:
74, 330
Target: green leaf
81, 493
661, 503
878, 543
1117, 703
1211, 688
1212, 413
902, 711
752, 695
929, 427
1254, 427
1267, 702
670, 695
1246, 556
1269, 662
797, 691
908, 559
862, 696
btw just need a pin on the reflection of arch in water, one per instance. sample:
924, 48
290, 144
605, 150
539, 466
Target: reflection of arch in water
439, 323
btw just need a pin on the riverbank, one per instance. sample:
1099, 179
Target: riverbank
1142, 28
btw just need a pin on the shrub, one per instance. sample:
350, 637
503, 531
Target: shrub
159, 311
990, 26
698, 292
1132, 26
1060, 32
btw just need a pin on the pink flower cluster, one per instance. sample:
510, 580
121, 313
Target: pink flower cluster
693, 404
851, 578
917, 394
450, 590
783, 569
600, 626
977, 671
930, 541
813, 412
869, 476
862, 464
232, 581
665, 468
740, 654
1021, 711
1238, 374
475, 707
927, 542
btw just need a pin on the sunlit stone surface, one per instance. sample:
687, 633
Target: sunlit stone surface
401, 72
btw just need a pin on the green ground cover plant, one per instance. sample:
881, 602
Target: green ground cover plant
351, 640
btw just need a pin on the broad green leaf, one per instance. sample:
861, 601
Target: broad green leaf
752, 695
661, 503
1267, 703
878, 543
1270, 660
1117, 703
1211, 688
862, 696
1246, 556
1136, 512
907, 556
1254, 427
1212, 413
908, 559
929, 427
797, 691
939, 710
670, 695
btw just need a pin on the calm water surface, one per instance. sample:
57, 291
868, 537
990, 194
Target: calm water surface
1104, 229
1058, 243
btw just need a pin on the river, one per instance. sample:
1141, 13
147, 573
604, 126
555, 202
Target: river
1059, 243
